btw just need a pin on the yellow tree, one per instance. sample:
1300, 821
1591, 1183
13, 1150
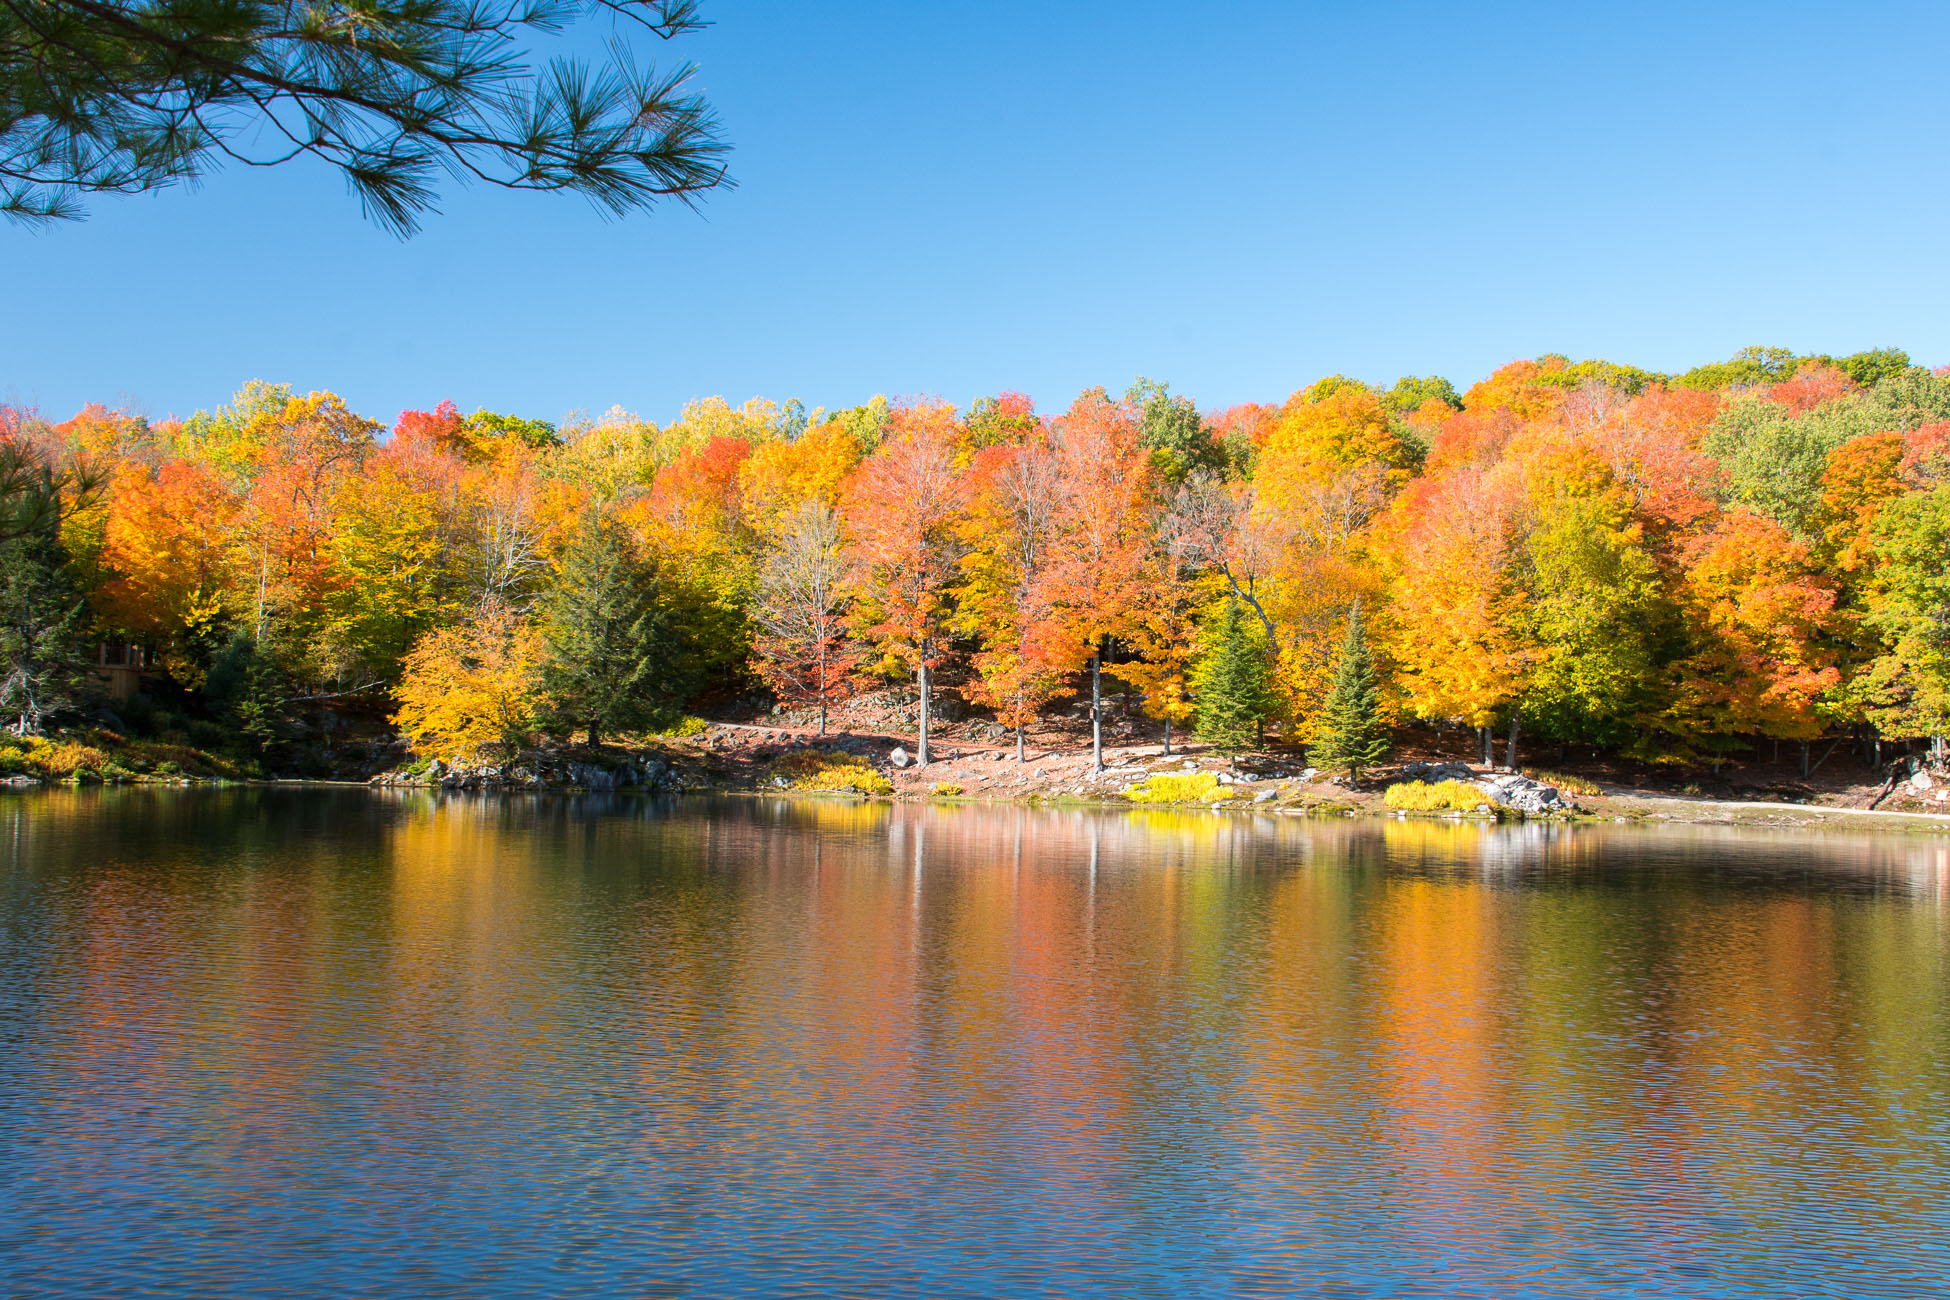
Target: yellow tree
1010, 530
171, 562
472, 687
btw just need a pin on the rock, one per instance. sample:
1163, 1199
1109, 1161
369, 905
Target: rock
1921, 780
21, 780
899, 757
1266, 796
1310, 774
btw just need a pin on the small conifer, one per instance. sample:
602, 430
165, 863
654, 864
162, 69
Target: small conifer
1350, 734
1233, 686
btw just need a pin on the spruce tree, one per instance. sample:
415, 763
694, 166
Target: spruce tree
1350, 734
614, 657
1233, 687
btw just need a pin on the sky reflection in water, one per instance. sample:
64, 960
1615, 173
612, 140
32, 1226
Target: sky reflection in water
335, 1042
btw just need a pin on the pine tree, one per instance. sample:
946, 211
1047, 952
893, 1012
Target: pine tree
1233, 686
1350, 733
614, 658
42, 616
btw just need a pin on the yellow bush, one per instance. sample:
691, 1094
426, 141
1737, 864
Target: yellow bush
1565, 784
947, 789
820, 769
688, 725
1179, 787
1448, 796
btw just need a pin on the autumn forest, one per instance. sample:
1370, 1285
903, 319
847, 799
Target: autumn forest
1673, 567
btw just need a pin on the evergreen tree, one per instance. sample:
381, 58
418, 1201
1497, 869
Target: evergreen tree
1350, 733
614, 658
42, 618
246, 691
1233, 686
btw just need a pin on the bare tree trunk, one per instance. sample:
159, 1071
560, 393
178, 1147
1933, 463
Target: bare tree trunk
1804, 760
1019, 748
1512, 752
922, 759
1167, 735
1097, 711
822, 718
1488, 746
595, 738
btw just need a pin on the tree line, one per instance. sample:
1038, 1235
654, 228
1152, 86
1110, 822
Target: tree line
1672, 567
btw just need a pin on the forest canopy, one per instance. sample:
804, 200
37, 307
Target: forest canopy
1668, 566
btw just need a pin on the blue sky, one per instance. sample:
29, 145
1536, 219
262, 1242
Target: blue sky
956, 200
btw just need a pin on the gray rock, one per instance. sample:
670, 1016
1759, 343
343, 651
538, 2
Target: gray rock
899, 757
1266, 796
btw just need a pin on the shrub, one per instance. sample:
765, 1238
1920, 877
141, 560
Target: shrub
1566, 784
947, 789
684, 726
1447, 796
820, 769
1178, 787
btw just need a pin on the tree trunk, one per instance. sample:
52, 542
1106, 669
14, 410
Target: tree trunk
822, 718
1167, 735
1488, 746
921, 759
1097, 711
1019, 750
1804, 760
1512, 752
595, 739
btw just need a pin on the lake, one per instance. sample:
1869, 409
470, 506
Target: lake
335, 1042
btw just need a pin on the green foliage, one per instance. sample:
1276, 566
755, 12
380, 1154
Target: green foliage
42, 619
132, 95
1445, 796
1411, 393
1171, 429
1178, 787
246, 690
1905, 689
1596, 606
1755, 365
1233, 686
530, 433
615, 657
1349, 732
1774, 458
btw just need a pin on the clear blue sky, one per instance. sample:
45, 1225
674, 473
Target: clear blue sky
960, 199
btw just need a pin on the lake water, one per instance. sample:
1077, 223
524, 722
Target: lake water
335, 1042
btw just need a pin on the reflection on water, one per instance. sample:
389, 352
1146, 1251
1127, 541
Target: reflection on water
342, 1042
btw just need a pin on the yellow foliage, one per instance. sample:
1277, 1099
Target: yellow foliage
947, 789
466, 688
1179, 787
822, 769
778, 477
1565, 784
1446, 796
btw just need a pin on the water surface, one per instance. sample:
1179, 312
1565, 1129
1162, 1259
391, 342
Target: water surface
338, 1042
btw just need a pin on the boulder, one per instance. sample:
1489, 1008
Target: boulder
899, 757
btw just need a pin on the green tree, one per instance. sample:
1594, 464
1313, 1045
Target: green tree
42, 620
120, 96
246, 691
1233, 685
1171, 429
614, 657
1350, 731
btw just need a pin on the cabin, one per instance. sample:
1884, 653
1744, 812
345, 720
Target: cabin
121, 666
